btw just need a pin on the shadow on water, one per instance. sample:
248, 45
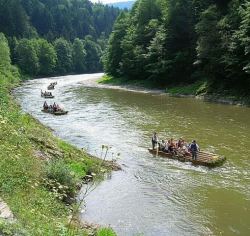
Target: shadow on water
155, 196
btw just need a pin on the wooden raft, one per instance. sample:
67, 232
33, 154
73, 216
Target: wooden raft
47, 96
203, 158
56, 113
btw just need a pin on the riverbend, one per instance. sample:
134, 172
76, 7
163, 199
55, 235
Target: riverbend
154, 196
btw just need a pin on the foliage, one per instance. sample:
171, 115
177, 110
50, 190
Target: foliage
197, 88
13, 18
51, 19
80, 169
47, 57
93, 54
177, 42
4, 52
41, 34
60, 179
64, 56
150, 84
79, 56
114, 51
39, 57
26, 57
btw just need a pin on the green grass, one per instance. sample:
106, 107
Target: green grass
106, 232
37, 170
106, 79
199, 87
110, 80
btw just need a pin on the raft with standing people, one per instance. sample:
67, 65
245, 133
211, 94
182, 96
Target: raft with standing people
54, 109
184, 151
52, 86
46, 94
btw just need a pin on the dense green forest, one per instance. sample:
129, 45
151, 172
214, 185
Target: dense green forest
56, 37
178, 42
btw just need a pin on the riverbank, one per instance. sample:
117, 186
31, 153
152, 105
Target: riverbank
40, 174
197, 90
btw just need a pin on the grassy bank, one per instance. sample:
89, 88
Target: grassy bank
192, 89
209, 93
197, 88
200, 88
39, 173
110, 80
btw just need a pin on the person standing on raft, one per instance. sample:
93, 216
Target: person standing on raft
155, 140
45, 106
194, 147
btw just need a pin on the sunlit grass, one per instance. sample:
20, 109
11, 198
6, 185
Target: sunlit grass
110, 80
199, 87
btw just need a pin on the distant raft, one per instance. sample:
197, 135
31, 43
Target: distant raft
51, 87
44, 95
203, 158
56, 113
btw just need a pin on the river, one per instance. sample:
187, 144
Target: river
153, 196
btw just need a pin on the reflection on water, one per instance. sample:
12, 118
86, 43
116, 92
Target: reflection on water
155, 196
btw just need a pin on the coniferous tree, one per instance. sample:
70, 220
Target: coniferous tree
79, 56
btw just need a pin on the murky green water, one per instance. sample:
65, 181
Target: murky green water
155, 196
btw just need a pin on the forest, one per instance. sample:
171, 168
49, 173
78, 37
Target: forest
48, 37
47, 183
179, 42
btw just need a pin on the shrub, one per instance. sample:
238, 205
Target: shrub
60, 180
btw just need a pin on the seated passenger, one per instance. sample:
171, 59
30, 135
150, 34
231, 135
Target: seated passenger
58, 108
166, 146
50, 108
172, 146
180, 143
162, 145
186, 150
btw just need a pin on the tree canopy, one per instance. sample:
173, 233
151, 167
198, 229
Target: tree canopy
44, 35
181, 41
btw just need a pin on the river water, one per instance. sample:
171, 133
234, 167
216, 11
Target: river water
154, 196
